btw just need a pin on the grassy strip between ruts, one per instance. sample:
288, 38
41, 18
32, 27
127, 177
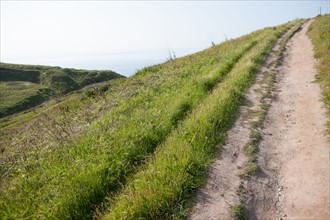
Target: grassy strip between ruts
68, 182
319, 32
251, 149
179, 165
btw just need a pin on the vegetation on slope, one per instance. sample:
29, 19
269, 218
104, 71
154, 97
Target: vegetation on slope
162, 189
16, 96
25, 86
63, 161
129, 131
319, 32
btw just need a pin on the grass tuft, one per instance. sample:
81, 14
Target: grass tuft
238, 212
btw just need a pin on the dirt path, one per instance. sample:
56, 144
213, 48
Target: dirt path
294, 152
293, 181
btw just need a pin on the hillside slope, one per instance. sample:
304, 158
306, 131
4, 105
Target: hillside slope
133, 148
25, 86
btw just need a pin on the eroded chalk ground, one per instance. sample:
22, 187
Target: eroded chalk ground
294, 149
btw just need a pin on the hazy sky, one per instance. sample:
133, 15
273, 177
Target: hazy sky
60, 31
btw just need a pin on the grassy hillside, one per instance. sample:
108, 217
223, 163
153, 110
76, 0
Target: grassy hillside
132, 148
16, 96
319, 32
25, 86
179, 166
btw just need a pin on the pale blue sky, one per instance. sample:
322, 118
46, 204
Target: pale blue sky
103, 34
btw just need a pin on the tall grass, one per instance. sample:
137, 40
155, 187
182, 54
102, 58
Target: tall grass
319, 32
162, 189
59, 178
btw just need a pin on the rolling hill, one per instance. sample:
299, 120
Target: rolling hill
26, 86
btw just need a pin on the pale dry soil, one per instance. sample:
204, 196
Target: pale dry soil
293, 159
294, 150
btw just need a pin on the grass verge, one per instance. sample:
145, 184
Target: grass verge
319, 33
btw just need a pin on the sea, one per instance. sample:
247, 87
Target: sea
125, 63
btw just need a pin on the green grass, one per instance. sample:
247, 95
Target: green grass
239, 212
75, 155
319, 32
121, 139
15, 96
162, 189
41, 83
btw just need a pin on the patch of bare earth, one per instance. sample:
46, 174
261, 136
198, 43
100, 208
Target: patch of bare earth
294, 152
